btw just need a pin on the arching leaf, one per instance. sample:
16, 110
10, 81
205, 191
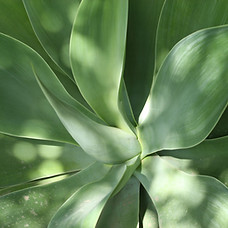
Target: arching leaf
97, 55
23, 160
189, 94
34, 207
184, 200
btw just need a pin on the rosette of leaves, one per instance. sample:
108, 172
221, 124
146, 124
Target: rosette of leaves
114, 113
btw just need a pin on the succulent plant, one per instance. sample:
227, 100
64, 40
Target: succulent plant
114, 113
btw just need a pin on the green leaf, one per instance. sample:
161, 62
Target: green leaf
24, 109
104, 143
34, 207
184, 200
207, 158
23, 160
140, 50
189, 94
221, 128
181, 18
97, 55
148, 215
122, 210
52, 22
84, 207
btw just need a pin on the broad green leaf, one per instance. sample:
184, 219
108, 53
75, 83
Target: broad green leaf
104, 143
52, 22
140, 50
148, 216
181, 18
34, 207
24, 109
189, 94
207, 158
122, 210
184, 200
14, 22
23, 160
85, 206
97, 55
221, 128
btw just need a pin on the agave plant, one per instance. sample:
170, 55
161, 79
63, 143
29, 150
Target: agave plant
114, 113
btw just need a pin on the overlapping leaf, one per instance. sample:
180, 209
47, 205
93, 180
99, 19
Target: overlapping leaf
23, 160
189, 94
97, 55
52, 21
140, 50
208, 158
183, 200
34, 207
84, 207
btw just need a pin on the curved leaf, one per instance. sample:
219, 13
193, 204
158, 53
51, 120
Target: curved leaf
97, 55
221, 128
181, 18
84, 207
104, 143
183, 200
207, 158
23, 160
24, 109
189, 94
140, 50
122, 210
34, 207
52, 22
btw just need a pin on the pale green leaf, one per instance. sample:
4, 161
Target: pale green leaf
181, 18
104, 143
207, 158
34, 207
140, 50
52, 22
84, 207
122, 210
23, 160
184, 200
189, 94
24, 109
97, 55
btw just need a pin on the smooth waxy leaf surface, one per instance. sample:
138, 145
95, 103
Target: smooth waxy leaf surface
140, 50
207, 158
122, 210
84, 207
52, 22
97, 54
23, 160
189, 94
35, 206
181, 18
24, 109
184, 200
104, 143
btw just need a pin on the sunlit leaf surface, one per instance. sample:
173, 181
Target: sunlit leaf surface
97, 55
184, 200
23, 160
84, 207
189, 94
208, 158
34, 207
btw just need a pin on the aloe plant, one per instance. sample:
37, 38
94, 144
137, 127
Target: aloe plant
114, 113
